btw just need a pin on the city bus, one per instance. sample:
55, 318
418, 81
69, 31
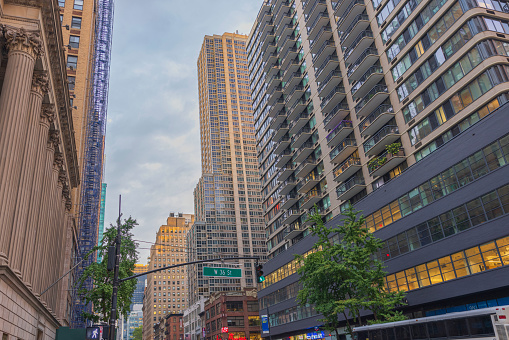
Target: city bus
480, 324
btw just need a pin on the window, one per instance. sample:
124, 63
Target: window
76, 22
78, 4
72, 82
72, 62
74, 41
234, 306
61, 3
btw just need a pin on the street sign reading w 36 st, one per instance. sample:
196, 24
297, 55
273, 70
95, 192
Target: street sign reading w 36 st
227, 272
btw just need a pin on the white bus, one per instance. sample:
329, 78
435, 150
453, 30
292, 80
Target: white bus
480, 324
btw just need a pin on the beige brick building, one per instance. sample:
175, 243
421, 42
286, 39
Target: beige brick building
166, 291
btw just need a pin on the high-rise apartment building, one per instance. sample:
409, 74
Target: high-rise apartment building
227, 197
166, 291
390, 106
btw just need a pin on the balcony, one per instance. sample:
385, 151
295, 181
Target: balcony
311, 198
286, 172
325, 50
292, 67
280, 131
295, 94
282, 144
299, 122
340, 132
330, 63
269, 39
376, 119
288, 186
367, 59
350, 188
301, 136
358, 46
284, 10
308, 182
287, 42
330, 82
284, 30
267, 30
346, 169
386, 162
385, 136
343, 150
325, 33
366, 82
376, 96
284, 17
315, 22
293, 231
271, 59
284, 157
273, 70
274, 95
278, 119
335, 96
289, 57
292, 79
266, 16
311, 6
278, 105
289, 200
291, 216
359, 24
304, 151
273, 82
306, 167
350, 10
336, 115
298, 107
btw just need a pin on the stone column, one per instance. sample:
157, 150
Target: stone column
46, 118
39, 88
24, 49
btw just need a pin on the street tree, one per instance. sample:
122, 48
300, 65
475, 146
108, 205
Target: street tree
100, 294
138, 333
345, 277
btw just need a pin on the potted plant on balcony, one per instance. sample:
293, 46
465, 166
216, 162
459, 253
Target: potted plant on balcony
382, 161
393, 150
373, 164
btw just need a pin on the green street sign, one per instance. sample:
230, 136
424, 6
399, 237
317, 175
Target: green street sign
227, 272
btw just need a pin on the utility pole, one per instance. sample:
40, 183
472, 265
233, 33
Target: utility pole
113, 317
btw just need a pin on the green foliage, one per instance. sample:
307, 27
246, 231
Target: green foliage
344, 277
138, 333
100, 295
382, 160
393, 148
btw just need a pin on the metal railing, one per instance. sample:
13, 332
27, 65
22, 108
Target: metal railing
323, 83
343, 124
353, 66
348, 9
323, 29
333, 57
341, 106
384, 108
342, 146
326, 43
350, 161
386, 130
379, 88
373, 69
355, 43
327, 99
344, 187
358, 18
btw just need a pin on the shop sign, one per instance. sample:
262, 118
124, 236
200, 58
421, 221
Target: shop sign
224, 329
265, 324
315, 335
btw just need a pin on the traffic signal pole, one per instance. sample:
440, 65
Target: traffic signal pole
116, 282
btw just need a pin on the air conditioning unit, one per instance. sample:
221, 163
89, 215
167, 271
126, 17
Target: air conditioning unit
501, 323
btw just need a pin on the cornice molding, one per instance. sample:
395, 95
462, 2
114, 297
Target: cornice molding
52, 31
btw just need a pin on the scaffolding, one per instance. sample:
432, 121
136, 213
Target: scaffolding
94, 149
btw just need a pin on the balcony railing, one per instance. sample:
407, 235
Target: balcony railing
386, 130
308, 161
327, 43
314, 193
292, 36
359, 17
327, 99
338, 128
340, 106
373, 92
292, 92
341, 189
343, 145
384, 108
316, 3
353, 3
293, 49
353, 66
365, 76
333, 73
323, 29
353, 45
300, 101
293, 75
332, 57
307, 145
317, 20
280, 6
345, 165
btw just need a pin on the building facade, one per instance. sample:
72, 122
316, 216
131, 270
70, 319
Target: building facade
174, 327
38, 170
133, 320
227, 197
230, 316
166, 291
192, 320
392, 107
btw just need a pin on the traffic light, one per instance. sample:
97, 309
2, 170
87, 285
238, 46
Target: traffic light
259, 273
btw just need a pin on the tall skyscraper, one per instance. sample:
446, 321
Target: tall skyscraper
227, 197
166, 291
392, 107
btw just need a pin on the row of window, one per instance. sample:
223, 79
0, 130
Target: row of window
78, 4
433, 34
483, 83
461, 126
292, 314
470, 261
467, 170
477, 211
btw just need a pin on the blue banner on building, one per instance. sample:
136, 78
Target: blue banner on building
265, 324
315, 335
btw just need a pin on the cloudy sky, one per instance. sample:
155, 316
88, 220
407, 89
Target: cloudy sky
152, 139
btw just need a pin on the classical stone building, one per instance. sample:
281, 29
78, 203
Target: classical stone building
38, 169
